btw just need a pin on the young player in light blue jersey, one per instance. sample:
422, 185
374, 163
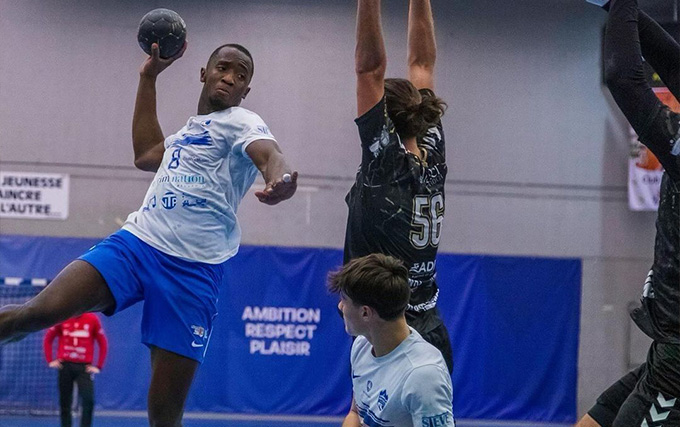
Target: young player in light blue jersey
398, 378
171, 252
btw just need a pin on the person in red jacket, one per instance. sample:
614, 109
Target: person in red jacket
74, 361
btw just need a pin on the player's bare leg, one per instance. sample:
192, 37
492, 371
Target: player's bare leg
171, 378
79, 288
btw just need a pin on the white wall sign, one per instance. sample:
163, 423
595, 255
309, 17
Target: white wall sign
31, 195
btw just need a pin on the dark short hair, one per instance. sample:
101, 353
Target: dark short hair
237, 47
412, 112
376, 280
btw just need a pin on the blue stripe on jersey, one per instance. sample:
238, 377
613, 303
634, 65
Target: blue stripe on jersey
370, 418
200, 139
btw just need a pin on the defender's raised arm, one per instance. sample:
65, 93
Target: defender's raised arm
370, 57
422, 47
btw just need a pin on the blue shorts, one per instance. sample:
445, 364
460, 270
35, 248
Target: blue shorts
180, 297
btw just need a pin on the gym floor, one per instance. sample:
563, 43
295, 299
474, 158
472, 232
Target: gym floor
117, 419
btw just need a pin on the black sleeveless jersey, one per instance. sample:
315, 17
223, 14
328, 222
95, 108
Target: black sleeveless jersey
396, 207
659, 315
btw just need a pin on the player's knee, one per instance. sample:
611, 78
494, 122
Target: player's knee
26, 318
32, 317
8, 316
8, 312
17, 321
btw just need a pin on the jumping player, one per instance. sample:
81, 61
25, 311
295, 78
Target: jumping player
76, 339
396, 205
398, 378
648, 396
171, 252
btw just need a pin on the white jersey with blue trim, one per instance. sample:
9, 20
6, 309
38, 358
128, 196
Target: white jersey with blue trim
410, 386
189, 210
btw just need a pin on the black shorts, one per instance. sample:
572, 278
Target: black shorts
648, 396
439, 337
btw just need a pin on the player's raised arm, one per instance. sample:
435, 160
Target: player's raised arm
280, 180
659, 48
654, 123
661, 51
370, 57
147, 136
422, 47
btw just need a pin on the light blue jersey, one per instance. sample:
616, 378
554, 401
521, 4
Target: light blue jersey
189, 210
408, 387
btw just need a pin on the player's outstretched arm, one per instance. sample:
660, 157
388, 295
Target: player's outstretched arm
147, 136
280, 180
422, 47
352, 418
370, 57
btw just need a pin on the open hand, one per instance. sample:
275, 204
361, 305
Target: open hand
154, 64
90, 369
56, 364
278, 191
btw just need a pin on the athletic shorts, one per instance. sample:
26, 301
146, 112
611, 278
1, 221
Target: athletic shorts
180, 296
439, 337
648, 396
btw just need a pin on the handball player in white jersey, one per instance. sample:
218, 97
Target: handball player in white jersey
398, 378
171, 252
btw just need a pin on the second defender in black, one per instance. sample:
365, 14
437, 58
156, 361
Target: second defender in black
650, 395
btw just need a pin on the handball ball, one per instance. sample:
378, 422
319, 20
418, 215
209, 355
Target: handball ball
165, 27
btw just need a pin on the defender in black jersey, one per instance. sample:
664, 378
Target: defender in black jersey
649, 396
396, 206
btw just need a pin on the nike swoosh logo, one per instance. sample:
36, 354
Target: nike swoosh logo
193, 344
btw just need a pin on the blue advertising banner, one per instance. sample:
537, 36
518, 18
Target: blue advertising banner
279, 345
514, 323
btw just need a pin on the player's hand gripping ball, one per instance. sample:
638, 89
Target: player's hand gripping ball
165, 27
